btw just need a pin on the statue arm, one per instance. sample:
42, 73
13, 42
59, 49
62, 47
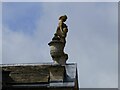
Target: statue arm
61, 26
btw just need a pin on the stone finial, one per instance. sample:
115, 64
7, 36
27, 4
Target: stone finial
58, 42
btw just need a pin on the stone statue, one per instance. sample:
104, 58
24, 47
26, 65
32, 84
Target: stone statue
62, 30
58, 42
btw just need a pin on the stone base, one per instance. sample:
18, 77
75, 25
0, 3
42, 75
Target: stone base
61, 60
57, 73
57, 52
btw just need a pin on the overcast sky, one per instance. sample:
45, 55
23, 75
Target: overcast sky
92, 40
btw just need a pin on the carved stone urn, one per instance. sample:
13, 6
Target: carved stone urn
57, 52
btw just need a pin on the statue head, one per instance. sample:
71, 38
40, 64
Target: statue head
64, 18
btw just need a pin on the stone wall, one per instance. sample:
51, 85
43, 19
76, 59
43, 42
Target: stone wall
39, 77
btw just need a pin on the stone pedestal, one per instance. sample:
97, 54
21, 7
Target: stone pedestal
57, 52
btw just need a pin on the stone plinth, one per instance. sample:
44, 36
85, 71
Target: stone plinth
57, 73
57, 52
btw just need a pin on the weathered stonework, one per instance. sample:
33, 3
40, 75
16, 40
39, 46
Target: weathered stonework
27, 74
57, 73
57, 52
39, 77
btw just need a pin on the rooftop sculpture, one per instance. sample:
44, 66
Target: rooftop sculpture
44, 76
58, 42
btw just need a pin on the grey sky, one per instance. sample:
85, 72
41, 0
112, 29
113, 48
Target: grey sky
91, 42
